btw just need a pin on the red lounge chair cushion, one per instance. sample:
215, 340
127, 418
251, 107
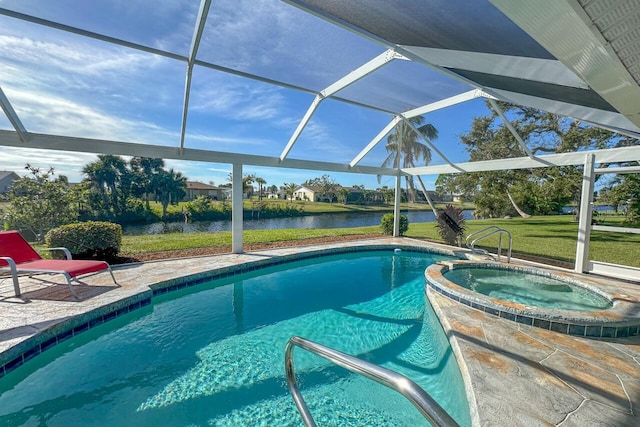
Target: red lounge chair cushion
13, 245
73, 267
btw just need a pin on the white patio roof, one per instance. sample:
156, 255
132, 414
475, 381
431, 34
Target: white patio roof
396, 58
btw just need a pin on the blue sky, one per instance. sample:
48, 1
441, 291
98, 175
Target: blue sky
64, 84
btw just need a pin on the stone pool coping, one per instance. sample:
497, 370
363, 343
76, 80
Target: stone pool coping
620, 321
45, 312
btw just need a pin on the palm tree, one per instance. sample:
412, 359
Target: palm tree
144, 169
261, 182
405, 150
289, 189
169, 188
247, 180
109, 177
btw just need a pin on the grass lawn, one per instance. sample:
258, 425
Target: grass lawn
546, 236
552, 236
132, 245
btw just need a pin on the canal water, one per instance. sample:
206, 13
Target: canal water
335, 220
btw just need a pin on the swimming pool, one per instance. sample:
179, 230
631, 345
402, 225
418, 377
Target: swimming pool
213, 354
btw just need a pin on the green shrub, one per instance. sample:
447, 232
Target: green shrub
135, 213
451, 225
204, 209
387, 224
85, 240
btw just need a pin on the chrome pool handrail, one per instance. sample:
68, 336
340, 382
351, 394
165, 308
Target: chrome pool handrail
495, 229
431, 410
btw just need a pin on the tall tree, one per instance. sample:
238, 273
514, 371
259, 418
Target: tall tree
261, 183
247, 180
289, 189
535, 191
343, 195
144, 169
327, 187
110, 184
169, 188
406, 150
387, 194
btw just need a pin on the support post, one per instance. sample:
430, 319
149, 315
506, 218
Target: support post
396, 207
584, 224
236, 209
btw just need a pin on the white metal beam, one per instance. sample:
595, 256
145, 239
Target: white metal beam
625, 272
513, 130
532, 69
605, 119
438, 105
13, 117
624, 132
610, 155
444, 103
375, 140
355, 75
457, 99
430, 144
362, 71
566, 31
627, 230
203, 12
237, 210
396, 206
100, 146
584, 224
303, 123
622, 169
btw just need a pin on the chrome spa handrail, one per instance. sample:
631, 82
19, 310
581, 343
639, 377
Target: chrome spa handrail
495, 229
431, 410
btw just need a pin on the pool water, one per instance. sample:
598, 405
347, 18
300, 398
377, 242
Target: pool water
528, 288
213, 354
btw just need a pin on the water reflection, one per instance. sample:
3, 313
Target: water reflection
337, 220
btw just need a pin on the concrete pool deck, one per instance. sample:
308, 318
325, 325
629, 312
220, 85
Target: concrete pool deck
516, 375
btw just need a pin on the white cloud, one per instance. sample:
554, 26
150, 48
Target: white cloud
65, 163
45, 113
85, 57
240, 101
219, 142
200, 171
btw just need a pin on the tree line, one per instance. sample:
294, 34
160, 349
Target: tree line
113, 190
538, 191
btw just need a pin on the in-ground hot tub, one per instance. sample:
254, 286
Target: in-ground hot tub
528, 288
563, 302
